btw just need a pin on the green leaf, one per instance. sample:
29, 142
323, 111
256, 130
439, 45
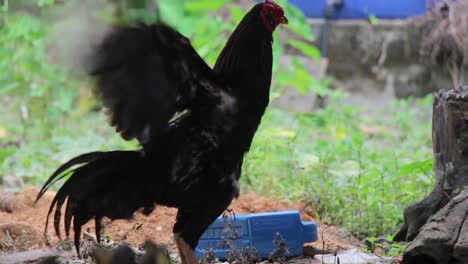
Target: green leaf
373, 19
6, 152
8, 87
306, 48
297, 21
44, 3
278, 51
236, 14
201, 6
172, 11
416, 167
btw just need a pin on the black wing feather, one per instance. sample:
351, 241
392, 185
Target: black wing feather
147, 73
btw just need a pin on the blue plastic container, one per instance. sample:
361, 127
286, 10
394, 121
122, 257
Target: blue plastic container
258, 231
362, 9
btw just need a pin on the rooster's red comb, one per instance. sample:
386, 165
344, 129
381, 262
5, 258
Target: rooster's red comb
272, 3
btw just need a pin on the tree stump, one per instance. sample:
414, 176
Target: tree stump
434, 223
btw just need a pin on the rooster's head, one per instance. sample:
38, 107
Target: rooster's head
272, 15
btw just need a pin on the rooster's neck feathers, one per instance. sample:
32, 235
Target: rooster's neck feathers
246, 60
245, 64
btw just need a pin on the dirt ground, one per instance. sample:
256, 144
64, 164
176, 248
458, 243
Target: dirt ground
22, 228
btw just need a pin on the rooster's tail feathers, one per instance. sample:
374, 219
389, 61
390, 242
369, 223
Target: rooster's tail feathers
103, 186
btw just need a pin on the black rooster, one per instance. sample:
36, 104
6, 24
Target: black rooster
194, 124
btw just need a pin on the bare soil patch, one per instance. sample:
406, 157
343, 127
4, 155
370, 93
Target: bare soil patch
22, 228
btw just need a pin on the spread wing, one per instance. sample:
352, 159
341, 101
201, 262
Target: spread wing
147, 73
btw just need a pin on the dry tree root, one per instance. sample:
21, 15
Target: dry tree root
444, 238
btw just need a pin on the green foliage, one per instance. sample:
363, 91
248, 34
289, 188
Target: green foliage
297, 76
346, 166
305, 48
389, 247
44, 90
40, 154
297, 20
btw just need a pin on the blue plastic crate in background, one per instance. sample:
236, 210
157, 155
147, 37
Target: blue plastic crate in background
259, 231
362, 9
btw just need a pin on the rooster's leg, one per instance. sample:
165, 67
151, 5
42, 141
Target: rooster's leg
179, 247
181, 221
192, 228
188, 252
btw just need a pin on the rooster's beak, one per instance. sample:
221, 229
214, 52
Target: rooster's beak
283, 20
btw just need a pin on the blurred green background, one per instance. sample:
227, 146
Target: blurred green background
353, 166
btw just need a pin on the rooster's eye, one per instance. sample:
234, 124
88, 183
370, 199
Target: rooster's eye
270, 19
269, 15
